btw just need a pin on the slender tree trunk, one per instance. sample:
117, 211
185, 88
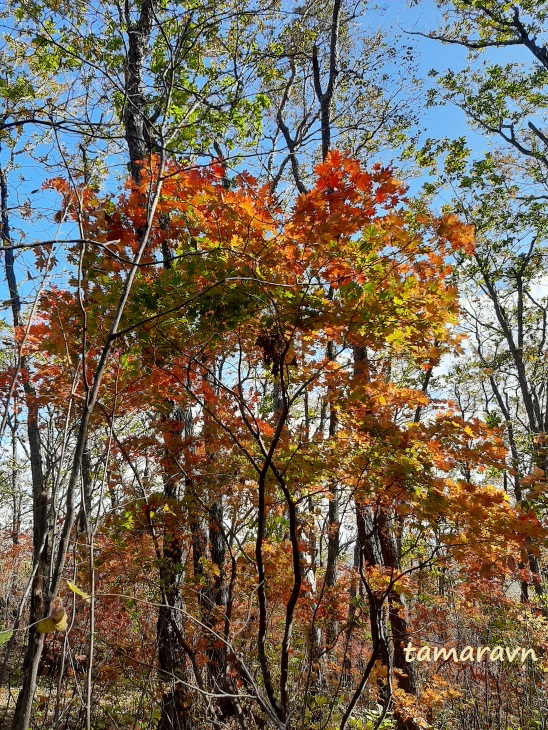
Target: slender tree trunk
391, 552
175, 703
325, 98
23, 708
536, 420
85, 508
333, 521
216, 595
380, 545
39, 490
353, 593
333, 551
376, 619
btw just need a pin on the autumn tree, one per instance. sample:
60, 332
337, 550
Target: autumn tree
254, 290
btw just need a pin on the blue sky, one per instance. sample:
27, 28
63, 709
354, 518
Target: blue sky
395, 17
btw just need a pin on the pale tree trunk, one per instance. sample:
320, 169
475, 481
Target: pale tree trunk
347, 666
333, 522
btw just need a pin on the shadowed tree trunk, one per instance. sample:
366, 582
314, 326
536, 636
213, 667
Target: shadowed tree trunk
175, 703
135, 119
380, 546
214, 597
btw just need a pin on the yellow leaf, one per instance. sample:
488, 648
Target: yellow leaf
45, 626
55, 622
79, 592
60, 620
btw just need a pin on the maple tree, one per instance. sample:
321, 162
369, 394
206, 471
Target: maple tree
221, 357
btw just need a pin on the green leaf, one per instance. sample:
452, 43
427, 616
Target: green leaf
5, 636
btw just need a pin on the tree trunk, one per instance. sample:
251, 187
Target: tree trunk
347, 659
175, 703
135, 120
333, 521
85, 508
380, 545
40, 562
390, 547
215, 597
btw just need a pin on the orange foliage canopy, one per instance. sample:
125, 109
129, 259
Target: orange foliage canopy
228, 275
249, 318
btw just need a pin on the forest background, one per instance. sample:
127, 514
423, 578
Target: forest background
273, 363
